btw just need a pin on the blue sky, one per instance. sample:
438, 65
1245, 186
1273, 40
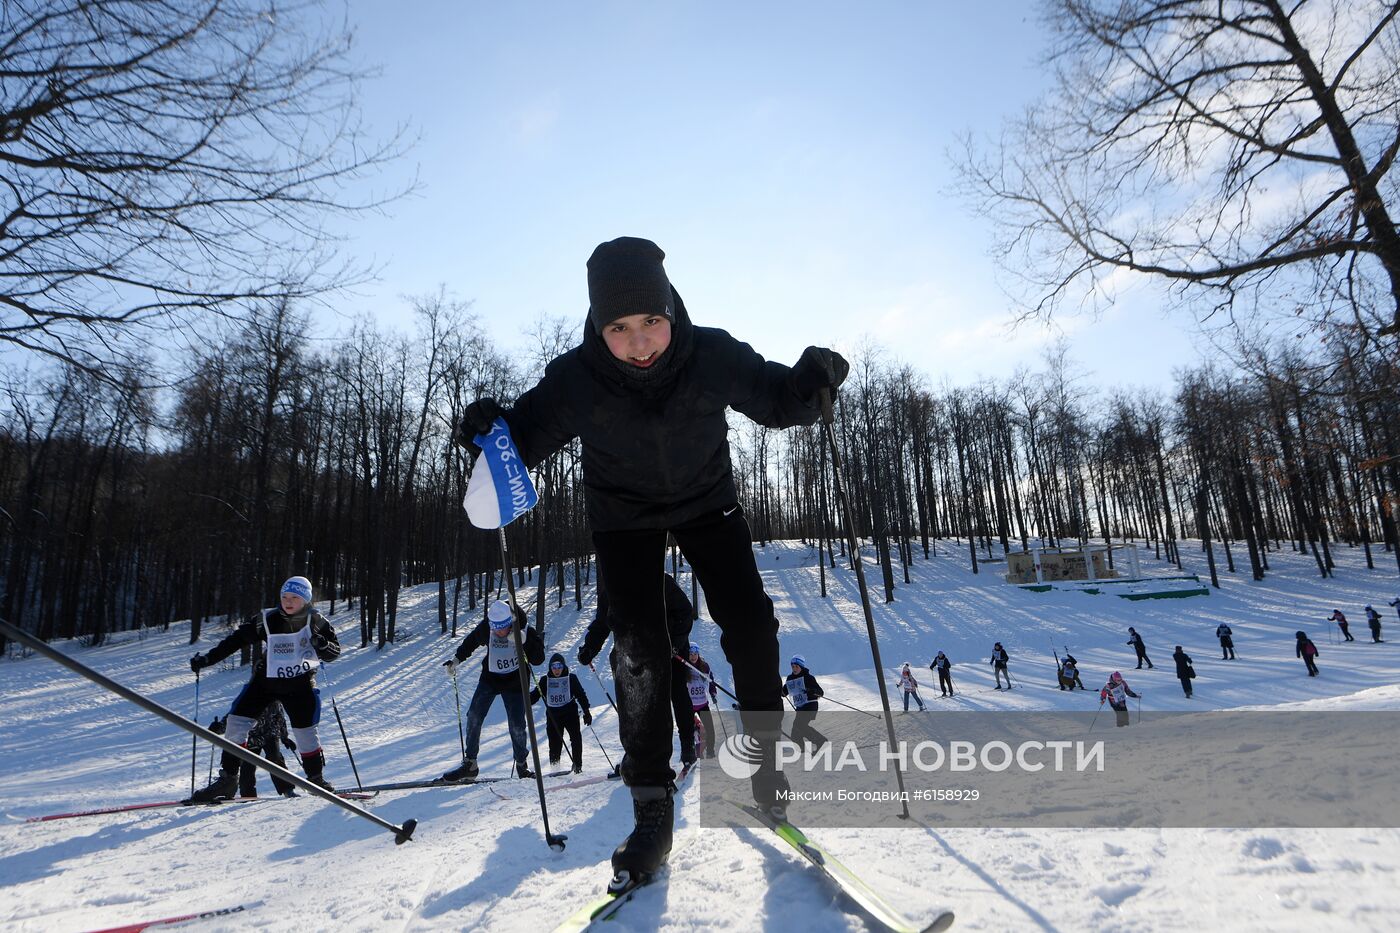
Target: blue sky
792, 159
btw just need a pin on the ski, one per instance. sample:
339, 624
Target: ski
164, 804
183, 918
609, 903
874, 906
439, 782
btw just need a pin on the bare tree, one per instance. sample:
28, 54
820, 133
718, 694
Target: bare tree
166, 158
1226, 146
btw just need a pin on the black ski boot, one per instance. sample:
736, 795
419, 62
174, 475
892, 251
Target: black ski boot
770, 792
314, 764
466, 771
522, 770
223, 787
643, 853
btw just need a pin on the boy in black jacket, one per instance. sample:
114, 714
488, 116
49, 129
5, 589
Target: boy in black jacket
289, 643
802, 688
500, 676
647, 392
563, 699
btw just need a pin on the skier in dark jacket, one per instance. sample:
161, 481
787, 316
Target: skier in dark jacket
1135, 640
803, 690
680, 616
646, 392
944, 668
999, 659
1227, 642
1341, 620
500, 677
1373, 619
1069, 674
1184, 671
1116, 692
289, 643
564, 701
1307, 651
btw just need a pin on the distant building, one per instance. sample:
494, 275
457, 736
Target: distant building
1058, 564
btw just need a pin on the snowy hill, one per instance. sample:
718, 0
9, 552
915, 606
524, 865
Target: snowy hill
478, 860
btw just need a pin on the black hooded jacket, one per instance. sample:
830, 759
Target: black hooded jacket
480, 637
576, 694
655, 449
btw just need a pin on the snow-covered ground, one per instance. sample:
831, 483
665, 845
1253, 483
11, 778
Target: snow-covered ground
478, 860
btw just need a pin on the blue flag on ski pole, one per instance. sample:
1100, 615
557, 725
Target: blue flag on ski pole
500, 490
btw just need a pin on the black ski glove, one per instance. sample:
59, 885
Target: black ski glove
587, 718
477, 419
819, 368
218, 727
291, 746
198, 663
586, 655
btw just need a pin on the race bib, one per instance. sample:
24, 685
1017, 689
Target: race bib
558, 693
501, 657
697, 687
797, 689
291, 655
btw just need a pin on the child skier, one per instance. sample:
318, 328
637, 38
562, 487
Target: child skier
1373, 619
646, 392
944, 667
1184, 671
702, 690
564, 701
500, 676
802, 688
1116, 692
999, 659
1069, 674
1341, 621
1307, 651
1135, 640
288, 643
910, 686
1227, 642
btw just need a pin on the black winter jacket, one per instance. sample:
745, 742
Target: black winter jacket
814, 689
251, 634
480, 637
655, 455
577, 697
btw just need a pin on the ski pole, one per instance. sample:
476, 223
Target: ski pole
601, 748
828, 416
863, 712
712, 680
1139, 699
211, 766
194, 739
602, 688
1096, 715
457, 695
402, 833
554, 842
348, 754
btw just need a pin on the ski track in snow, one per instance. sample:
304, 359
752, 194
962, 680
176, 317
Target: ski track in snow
478, 859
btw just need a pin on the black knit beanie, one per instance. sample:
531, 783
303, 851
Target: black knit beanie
625, 277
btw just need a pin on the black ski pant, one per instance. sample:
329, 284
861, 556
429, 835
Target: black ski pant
631, 565
248, 773
681, 711
558, 721
802, 729
1346, 632
303, 706
707, 720
1121, 715
1142, 656
945, 683
1312, 665
1185, 685
1375, 632
1227, 648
